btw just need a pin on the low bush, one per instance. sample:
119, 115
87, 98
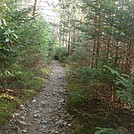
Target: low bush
97, 96
61, 54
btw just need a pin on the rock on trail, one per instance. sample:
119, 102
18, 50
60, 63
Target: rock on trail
46, 113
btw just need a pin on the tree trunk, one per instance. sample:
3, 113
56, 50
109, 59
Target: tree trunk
34, 7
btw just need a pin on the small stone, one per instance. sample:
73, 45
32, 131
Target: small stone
62, 100
43, 131
23, 117
56, 132
41, 109
34, 101
24, 131
53, 131
44, 127
64, 123
22, 122
36, 115
16, 114
43, 122
46, 94
36, 111
69, 125
51, 122
22, 107
35, 119
49, 109
42, 103
60, 121
56, 109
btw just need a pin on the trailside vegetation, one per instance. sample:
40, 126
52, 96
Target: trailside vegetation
25, 40
99, 38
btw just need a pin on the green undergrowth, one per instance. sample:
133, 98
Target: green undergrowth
89, 111
11, 99
85, 119
7, 108
61, 54
26, 45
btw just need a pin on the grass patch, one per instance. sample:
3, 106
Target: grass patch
7, 107
45, 70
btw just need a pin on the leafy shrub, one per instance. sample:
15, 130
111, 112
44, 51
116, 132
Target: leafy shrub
77, 94
80, 55
61, 54
91, 80
24, 46
125, 84
89, 75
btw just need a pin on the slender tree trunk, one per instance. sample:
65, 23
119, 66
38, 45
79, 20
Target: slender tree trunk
129, 57
69, 41
108, 48
34, 7
98, 45
97, 51
63, 42
93, 56
116, 54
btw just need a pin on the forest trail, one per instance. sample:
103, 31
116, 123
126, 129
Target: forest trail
44, 114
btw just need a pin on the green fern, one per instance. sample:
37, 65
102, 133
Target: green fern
126, 86
107, 131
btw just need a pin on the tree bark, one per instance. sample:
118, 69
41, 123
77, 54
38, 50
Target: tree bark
34, 7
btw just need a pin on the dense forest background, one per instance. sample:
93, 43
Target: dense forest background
96, 39
99, 39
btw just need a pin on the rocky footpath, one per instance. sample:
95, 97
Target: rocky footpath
46, 113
